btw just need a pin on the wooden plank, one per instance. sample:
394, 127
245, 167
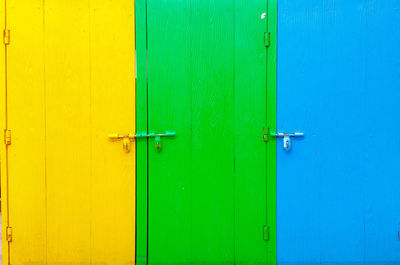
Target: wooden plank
68, 131
272, 14
3, 149
81, 88
112, 96
25, 157
250, 118
169, 99
212, 81
141, 125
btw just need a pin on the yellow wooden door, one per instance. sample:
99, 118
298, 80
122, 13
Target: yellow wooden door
68, 193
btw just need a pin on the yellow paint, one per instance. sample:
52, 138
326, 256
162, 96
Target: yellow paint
3, 168
67, 191
126, 140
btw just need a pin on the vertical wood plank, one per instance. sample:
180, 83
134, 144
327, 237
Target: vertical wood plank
68, 131
271, 123
212, 62
141, 126
25, 118
250, 119
112, 92
169, 99
3, 150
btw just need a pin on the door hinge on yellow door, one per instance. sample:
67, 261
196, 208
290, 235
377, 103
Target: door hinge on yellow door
6, 36
7, 137
9, 233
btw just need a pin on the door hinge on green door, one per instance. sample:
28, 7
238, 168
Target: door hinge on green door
267, 39
266, 233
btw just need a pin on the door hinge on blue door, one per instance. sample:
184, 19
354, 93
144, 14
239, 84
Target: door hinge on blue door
267, 39
266, 233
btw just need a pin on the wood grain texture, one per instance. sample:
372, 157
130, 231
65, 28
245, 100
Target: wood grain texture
169, 99
339, 194
271, 123
26, 119
112, 57
141, 126
250, 118
68, 149
3, 149
72, 190
207, 188
212, 85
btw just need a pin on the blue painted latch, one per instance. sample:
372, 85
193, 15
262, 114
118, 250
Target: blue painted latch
287, 143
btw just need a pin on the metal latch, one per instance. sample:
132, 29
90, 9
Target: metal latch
287, 143
130, 137
126, 140
157, 137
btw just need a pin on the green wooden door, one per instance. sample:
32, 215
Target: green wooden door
202, 72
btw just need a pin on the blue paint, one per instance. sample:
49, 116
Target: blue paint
338, 189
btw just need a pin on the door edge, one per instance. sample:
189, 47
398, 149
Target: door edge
141, 126
272, 13
3, 148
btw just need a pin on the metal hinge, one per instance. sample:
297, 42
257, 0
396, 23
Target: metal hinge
6, 36
9, 233
267, 39
266, 233
266, 134
7, 137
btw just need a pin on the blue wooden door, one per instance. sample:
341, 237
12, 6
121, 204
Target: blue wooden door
338, 81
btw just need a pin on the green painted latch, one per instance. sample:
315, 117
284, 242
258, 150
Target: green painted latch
157, 137
267, 39
266, 233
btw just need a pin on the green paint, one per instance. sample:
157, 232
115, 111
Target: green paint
145, 135
250, 149
203, 199
169, 77
141, 125
157, 137
267, 39
271, 124
266, 233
